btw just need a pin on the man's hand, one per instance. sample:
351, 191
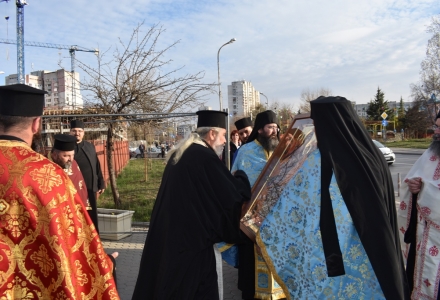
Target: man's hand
414, 185
101, 191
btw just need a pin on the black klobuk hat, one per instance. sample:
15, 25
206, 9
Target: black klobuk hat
64, 142
211, 118
77, 124
262, 119
243, 123
21, 100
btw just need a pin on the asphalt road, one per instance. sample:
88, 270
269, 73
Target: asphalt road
402, 165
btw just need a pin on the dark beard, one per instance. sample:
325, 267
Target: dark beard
435, 145
37, 143
269, 143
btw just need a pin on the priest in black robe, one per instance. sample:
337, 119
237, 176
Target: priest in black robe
87, 159
198, 204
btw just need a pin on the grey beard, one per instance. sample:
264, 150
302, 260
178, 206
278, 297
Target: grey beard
218, 150
67, 165
435, 145
269, 143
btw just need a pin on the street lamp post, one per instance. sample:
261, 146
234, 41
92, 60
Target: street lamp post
267, 100
218, 69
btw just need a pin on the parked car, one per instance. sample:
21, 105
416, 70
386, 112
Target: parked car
135, 152
149, 152
389, 155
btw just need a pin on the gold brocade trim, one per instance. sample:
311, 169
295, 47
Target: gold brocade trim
268, 154
271, 292
271, 266
225, 247
4, 206
265, 296
46, 178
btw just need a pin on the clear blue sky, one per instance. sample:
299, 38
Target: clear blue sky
282, 47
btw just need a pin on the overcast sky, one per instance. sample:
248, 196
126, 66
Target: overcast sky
283, 47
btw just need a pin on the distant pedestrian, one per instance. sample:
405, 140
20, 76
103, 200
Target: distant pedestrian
142, 149
162, 151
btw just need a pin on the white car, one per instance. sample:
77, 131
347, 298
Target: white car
389, 155
149, 152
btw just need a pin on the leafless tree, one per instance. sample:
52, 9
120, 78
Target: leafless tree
137, 78
429, 83
308, 95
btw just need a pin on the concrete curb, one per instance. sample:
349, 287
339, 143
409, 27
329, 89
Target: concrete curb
410, 151
140, 224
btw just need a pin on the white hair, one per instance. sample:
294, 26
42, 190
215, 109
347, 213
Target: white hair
194, 137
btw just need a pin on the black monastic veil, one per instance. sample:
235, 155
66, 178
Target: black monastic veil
366, 186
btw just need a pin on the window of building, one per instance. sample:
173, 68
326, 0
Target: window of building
235, 106
235, 113
234, 99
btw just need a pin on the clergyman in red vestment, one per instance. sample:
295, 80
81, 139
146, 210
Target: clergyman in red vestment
48, 248
62, 153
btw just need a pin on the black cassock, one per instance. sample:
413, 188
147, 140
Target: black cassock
198, 204
87, 159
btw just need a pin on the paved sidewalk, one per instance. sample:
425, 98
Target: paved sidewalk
127, 264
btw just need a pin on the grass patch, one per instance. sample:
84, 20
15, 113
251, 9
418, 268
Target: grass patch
411, 143
136, 193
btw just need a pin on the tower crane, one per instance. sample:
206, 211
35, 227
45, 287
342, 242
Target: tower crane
20, 38
72, 50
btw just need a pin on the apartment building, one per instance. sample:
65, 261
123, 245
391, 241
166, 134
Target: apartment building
242, 98
58, 85
29, 79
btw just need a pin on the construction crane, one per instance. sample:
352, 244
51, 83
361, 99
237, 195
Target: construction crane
20, 38
72, 50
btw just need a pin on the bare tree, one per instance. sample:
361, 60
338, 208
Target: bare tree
136, 78
429, 83
308, 95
